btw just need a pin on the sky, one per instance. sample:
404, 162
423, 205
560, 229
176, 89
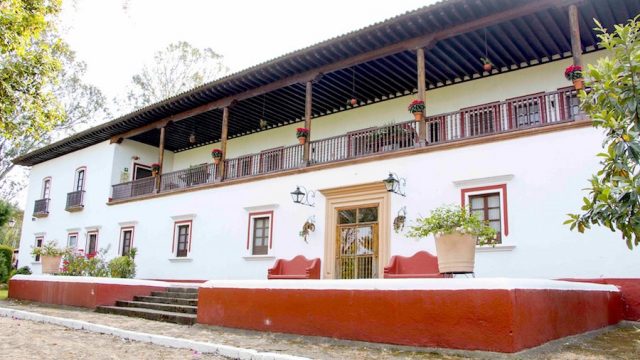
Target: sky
116, 37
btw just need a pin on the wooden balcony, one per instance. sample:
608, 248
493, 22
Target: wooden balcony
41, 208
75, 201
516, 114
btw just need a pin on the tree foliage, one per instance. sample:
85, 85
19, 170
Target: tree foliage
6, 212
29, 64
613, 103
83, 104
177, 68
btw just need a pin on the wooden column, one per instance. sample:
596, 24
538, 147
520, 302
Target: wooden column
160, 158
574, 25
223, 140
422, 131
307, 123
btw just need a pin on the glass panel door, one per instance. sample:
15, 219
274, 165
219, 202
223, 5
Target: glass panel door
357, 243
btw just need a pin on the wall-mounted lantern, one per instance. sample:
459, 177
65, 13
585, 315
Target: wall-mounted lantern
395, 184
303, 196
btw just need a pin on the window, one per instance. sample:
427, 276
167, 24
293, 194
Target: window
92, 242
182, 238
46, 188
260, 232
126, 240
72, 240
141, 171
39, 241
487, 208
79, 181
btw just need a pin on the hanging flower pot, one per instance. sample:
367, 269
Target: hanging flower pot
417, 109
216, 154
352, 102
302, 134
574, 73
487, 65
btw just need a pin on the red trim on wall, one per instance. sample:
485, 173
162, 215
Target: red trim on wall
50, 187
270, 227
174, 250
630, 289
88, 242
503, 187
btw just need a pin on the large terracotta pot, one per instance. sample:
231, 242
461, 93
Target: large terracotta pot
578, 83
487, 67
418, 115
456, 252
50, 264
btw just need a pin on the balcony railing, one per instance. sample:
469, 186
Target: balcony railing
41, 208
75, 201
499, 117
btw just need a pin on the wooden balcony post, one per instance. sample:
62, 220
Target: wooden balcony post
223, 140
422, 127
160, 157
307, 123
574, 25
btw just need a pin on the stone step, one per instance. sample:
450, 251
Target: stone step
150, 314
183, 309
180, 295
182, 289
166, 300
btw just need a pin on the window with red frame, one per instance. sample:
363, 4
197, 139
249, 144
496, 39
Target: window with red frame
39, 241
261, 233
126, 240
92, 242
487, 208
182, 236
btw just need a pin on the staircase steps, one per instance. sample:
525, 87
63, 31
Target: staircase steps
176, 305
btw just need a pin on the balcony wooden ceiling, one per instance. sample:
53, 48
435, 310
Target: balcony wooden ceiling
522, 41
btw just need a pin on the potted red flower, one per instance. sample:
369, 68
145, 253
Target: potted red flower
155, 169
574, 73
216, 154
302, 134
417, 109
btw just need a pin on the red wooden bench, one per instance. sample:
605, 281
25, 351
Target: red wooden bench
297, 268
421, 265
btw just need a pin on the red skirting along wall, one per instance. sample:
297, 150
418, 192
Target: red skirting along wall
427, 314
630, 289
76, 291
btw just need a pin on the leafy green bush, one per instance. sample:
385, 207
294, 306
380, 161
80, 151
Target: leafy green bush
123, 266
6, 254
451, 219
77, 264
25, 270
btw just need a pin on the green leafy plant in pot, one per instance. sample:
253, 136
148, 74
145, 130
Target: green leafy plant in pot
457, 232
50, 256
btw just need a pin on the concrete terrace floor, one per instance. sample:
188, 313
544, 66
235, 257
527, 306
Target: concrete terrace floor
621, 342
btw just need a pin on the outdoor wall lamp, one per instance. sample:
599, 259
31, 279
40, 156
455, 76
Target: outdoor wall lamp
303, 196
395, 184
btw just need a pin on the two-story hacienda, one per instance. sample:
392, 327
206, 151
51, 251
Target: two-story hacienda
511, 142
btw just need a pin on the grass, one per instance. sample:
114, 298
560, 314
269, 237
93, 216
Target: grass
3, 294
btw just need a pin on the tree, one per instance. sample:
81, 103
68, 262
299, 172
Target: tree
83, 104
613, 103
29, 64
6, 212
177, 68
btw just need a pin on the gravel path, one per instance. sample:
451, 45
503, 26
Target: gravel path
23, 339
622, 343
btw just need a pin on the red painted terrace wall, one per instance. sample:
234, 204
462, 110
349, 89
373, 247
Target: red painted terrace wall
630, 289
83, 294
474, 319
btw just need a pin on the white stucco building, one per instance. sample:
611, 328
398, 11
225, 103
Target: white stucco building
510, 141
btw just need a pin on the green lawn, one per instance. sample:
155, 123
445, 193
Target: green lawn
3, 294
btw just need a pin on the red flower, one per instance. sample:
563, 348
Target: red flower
216, 153
91, 255
302, 130
573, 72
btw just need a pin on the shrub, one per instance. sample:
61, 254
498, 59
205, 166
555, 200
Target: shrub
25, 270
6, 253
123, 266
78, 264
452, 219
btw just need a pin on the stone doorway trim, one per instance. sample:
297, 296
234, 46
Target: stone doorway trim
356, 195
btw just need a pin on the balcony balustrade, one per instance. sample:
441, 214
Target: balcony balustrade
75, 201
515, 114
41, 208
